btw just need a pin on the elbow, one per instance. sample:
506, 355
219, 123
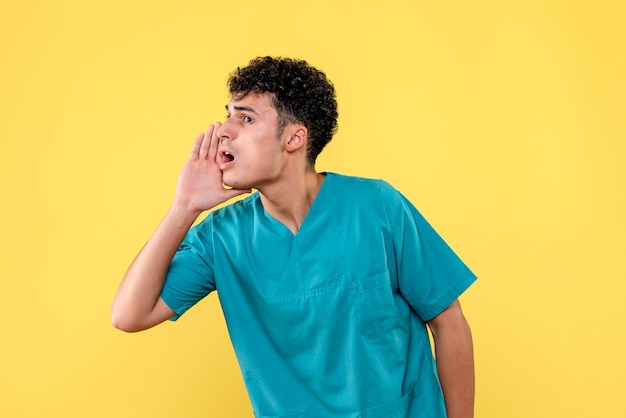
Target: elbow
125, 326
128, 317
120, 324
123, 322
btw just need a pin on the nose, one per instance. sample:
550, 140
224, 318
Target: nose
224, 131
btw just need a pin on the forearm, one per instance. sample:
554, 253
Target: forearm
134, 304
455, 365
137, 304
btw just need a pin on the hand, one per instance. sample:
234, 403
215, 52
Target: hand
200, 185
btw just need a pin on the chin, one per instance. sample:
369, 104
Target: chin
229, 183
233, 183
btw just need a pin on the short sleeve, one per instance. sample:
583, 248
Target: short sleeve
190, 275
430, 275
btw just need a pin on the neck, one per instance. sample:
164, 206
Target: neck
290, 201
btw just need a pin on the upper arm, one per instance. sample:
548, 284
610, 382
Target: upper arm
160, 313
451, 318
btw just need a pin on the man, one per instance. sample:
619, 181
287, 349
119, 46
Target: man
327, 282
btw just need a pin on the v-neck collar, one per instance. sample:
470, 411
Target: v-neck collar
321, 196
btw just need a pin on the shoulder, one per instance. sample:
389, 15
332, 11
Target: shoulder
361, 184
366, 189
231, 215
239, 208
368, 198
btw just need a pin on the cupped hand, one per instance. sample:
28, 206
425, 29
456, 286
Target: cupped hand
200, 186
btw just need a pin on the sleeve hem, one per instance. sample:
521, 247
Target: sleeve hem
178, 310
445, 300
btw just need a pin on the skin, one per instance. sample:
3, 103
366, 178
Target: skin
276, 165
455, 360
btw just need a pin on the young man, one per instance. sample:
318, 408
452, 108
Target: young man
327, 282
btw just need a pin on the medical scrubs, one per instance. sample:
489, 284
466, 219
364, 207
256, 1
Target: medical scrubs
329, 322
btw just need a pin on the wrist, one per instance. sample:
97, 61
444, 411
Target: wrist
182, 215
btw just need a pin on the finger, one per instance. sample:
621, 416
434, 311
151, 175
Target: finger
193, 155
215, 142
206, 142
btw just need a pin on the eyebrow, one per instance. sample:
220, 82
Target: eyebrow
242, 108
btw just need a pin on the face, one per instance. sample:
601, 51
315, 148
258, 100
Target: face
250, 154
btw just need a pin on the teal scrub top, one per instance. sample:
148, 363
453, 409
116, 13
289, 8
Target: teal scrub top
329, 322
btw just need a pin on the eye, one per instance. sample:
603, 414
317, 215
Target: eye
246, 119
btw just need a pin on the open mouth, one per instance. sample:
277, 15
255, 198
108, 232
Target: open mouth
227, 157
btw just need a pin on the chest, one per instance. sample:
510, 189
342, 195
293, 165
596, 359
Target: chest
330, 251
334, 278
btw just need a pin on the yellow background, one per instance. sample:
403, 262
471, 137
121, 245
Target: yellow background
503, 121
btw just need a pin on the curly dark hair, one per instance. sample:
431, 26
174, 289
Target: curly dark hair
301, 94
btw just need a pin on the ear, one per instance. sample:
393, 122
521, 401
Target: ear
297, 139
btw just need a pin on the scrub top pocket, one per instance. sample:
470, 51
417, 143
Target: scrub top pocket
396, 409
375, 309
